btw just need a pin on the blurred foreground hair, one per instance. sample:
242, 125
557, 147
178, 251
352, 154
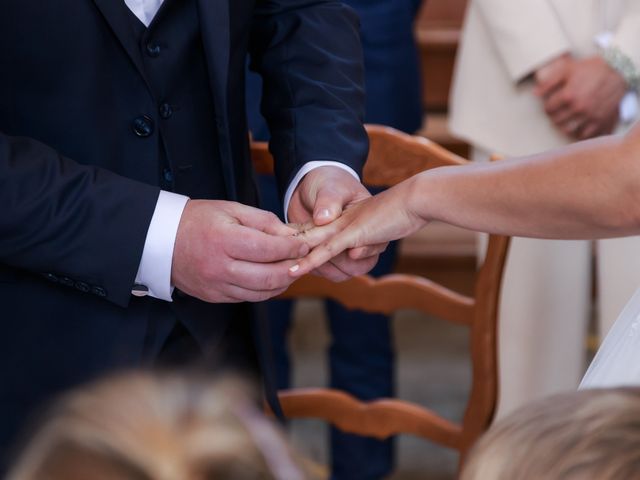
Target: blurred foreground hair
585, 435
143, 426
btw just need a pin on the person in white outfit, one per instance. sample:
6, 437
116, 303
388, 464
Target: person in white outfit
532, 75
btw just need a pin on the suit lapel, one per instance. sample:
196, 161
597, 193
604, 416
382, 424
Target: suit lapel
116, 15
215, 27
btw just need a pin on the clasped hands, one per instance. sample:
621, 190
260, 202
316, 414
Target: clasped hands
226, 252
580, 96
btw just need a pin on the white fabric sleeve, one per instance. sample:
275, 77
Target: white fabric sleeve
527, 33
627, 32
306, 168
154, 271
617, 362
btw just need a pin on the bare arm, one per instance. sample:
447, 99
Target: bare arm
587, 190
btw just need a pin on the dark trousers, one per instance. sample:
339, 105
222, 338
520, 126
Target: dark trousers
361, 362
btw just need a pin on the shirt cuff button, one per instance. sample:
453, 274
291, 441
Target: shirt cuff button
139, 290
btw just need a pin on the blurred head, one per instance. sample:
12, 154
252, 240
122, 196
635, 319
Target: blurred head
157, 427
586, 435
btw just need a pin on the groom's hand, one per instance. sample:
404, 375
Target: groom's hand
321, 197
229, 252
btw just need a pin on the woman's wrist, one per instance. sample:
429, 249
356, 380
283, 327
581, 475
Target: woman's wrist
418, 197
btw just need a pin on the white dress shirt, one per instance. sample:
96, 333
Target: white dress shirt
154, 271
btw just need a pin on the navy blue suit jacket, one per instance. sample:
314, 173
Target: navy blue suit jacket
78, 188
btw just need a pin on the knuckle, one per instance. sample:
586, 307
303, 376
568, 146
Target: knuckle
230, 269
251, 245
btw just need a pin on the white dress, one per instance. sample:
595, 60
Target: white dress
617, 362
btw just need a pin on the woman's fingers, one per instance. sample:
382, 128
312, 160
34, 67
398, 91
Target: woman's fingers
314, 236
320, 255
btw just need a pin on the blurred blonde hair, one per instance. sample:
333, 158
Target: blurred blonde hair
586, 435
142, 426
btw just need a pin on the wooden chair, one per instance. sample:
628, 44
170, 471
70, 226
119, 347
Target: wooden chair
393, 157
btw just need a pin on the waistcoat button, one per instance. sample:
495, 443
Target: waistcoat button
153, 50
165, 110
143, 126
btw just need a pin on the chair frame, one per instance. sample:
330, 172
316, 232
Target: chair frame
382, 418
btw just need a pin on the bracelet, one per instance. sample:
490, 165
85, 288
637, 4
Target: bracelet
622, 64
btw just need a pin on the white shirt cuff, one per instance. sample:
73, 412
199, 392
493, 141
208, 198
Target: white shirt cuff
154, 271
306, 168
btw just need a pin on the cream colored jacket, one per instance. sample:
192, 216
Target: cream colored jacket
504, 42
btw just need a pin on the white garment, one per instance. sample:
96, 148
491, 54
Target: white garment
617, 362
545, 303
542, 317
154, 270
618, 274
145, 10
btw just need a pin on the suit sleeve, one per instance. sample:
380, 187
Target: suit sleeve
526, 33
69, 221
627, 35
310, 58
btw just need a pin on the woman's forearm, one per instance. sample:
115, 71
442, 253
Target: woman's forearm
587, 190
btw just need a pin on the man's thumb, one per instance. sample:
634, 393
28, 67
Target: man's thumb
328, 207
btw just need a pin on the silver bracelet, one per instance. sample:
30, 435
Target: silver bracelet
622, 64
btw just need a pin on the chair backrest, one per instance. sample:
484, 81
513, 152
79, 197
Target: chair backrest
393, 157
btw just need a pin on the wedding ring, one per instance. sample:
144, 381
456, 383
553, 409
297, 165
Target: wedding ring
573, 126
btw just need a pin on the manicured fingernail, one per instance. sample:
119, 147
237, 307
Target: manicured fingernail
294, 269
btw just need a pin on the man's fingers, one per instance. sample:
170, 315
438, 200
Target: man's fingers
260, 276
255, 246
336, 268
331, 272
353, 268
556, 101
239, 294
361, 253
566, 116
264, 221
554, 81
590, 130
571, 126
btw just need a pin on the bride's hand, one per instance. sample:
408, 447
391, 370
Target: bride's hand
376, 220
